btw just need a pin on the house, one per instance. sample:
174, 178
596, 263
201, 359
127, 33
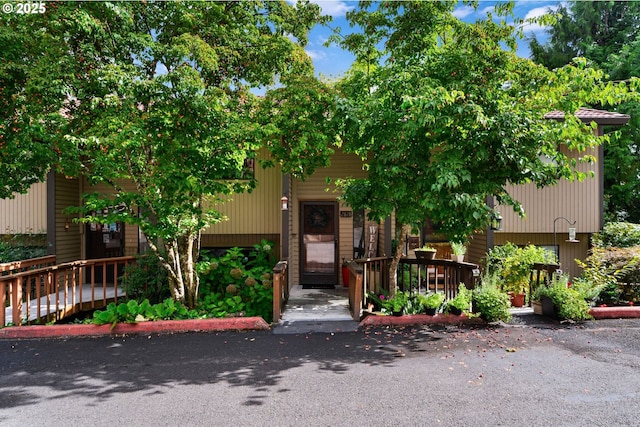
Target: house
308, 225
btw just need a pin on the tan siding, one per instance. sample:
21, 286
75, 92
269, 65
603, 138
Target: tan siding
26, 213
579, 201
569, 252
315, 188
68, 241
256, 212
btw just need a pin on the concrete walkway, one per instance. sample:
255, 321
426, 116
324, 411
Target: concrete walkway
316, 310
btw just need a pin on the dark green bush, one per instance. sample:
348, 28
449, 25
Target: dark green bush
146, 279
22, 246
488, 300
618, 234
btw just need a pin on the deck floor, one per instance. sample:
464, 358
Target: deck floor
75, 296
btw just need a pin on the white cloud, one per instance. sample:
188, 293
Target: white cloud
316, 55
536, 12
333, 8
487, 10
463, 12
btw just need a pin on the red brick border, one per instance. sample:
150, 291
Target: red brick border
157, 327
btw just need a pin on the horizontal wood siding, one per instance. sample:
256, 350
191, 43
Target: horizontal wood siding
26, 213
68, 241
477, 248
315, 188
579, 201
569, 252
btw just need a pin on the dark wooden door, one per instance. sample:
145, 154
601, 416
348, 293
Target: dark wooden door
319, 243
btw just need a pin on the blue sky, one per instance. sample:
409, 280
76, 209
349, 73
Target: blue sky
333, 61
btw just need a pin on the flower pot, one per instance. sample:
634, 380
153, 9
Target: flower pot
397, 313
517, 300
457, 258
430, 311
537, 307
425, 254
455, 311
345, 276
548, 307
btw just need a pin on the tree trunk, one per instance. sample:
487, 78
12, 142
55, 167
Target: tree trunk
404, 231
181, 256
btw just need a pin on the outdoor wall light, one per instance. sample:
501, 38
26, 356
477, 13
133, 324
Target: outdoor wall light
285, 203
496, 221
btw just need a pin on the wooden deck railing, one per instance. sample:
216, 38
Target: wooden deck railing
414, 275
56, 291
280, 289
541, 274
27, 264
436, 275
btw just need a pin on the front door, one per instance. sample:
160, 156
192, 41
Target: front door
318, 245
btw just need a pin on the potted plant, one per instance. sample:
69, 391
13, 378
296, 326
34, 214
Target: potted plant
425, 252
461, 303
431, 302
396, 303
345, 272
562, 302
513, 265
458, 249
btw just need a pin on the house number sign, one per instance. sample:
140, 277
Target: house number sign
346, 214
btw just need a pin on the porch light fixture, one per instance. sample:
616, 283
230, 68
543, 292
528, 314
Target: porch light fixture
496, 221
572, 234
285, 203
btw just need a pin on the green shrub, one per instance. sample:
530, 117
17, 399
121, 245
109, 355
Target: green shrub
19, 247
569, 302
146, 279
617, 234
462, 301
133, 312
431, 301
488, 300
239, 282
513, 264
603, 269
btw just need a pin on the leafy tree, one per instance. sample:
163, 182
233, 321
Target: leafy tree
447, 117
153, 100
608, 34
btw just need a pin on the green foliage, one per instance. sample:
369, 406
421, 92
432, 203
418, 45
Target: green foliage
513, 264
488, 300
159, 95
133, 312
607, 34
431, 301
458, 248
396, 303
20, 247
617, 234
444, 116
604, 269
146, 279
238, 283
569, 302
462, 301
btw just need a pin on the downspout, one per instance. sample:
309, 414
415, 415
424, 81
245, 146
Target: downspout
51, 213
284, 239
600, 132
